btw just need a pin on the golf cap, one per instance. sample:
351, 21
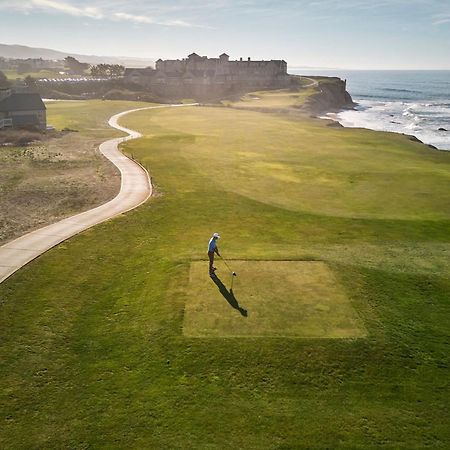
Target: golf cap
216, 235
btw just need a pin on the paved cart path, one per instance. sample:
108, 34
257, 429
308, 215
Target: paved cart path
135, 189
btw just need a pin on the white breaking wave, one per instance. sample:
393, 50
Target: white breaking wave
423, 120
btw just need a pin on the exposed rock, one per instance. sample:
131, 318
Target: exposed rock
334, 125
331, 96
413, 138
442, 129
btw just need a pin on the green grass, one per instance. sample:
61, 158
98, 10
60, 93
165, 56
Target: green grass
92, 351
282, 98
13, 74
340, 172
268, 299
89, 117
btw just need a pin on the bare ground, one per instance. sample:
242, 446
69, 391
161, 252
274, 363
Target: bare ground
52, 179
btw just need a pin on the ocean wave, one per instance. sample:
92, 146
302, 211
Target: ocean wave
408, 113
401, 90
404, 102
420, 119
370, 96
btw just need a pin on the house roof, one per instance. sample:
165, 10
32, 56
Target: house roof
22, 102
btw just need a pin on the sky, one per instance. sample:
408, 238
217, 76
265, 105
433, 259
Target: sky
347, 34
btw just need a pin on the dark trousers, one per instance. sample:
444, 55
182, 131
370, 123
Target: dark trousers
211, 261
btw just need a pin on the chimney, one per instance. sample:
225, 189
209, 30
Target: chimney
249, 58
240, 59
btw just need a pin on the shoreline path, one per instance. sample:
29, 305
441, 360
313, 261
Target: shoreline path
135, 189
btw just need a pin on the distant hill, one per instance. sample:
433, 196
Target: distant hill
24, 52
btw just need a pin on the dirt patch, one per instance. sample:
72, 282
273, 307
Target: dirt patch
50, 179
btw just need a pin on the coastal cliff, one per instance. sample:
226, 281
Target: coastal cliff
331, 96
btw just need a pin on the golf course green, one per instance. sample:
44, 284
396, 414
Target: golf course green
336, 332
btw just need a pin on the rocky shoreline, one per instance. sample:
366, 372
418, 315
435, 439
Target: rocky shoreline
331, 116
331, 96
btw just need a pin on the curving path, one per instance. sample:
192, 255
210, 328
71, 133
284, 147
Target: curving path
313, 82
135, 189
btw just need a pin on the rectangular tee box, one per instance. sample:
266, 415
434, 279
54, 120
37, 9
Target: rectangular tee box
301, 299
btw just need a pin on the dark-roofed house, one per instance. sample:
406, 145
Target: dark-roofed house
23, 110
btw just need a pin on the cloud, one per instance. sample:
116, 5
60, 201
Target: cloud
145, 19
137, 11
66, 8
195, 13
441, 19
133, 18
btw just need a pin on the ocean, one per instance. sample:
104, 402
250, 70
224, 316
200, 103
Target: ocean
410, 102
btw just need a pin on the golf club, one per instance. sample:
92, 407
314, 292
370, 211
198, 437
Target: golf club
229, 268
233, 274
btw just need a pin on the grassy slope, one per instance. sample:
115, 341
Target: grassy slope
282, 98
286, 100
96, 358
60, 176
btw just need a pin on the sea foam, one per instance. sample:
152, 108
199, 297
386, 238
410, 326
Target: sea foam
410, 102
423, 120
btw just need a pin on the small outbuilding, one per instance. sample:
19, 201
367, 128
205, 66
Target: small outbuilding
22, 110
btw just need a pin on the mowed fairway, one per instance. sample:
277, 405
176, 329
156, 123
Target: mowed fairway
95, 345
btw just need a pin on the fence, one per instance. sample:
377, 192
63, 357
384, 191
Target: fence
5, 123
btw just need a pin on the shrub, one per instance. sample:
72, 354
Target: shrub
19, 138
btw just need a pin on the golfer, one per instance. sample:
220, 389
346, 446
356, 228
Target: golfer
212, 248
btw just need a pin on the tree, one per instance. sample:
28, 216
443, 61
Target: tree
30, 81
107, 70
75, 66
4, 82
95, 72
117, 70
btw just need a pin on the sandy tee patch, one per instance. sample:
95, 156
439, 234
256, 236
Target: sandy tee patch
269, 299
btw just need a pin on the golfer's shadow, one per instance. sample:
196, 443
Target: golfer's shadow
228, 295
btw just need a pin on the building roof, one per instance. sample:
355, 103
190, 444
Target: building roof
22, 102
194, 56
